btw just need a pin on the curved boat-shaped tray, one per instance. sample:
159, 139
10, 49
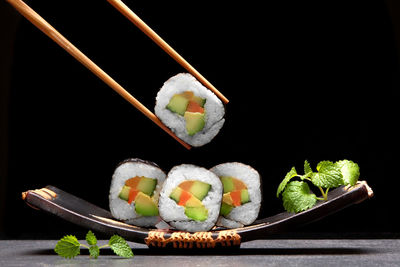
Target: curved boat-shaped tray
78, 211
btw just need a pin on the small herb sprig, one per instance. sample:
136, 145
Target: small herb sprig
69, 246
297, 196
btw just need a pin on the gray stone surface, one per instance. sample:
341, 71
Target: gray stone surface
298, 252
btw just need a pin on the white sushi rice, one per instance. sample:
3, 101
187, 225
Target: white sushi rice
214, 109
248, 212
174, 214
120, 209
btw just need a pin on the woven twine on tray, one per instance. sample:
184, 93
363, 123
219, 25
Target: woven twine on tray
188, 240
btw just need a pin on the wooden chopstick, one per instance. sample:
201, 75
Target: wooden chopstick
46, 28
121, 7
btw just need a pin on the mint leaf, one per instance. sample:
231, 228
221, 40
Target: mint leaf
328, 175
307, 171
307, 167
349, 170
297, 197
94, 251
120, 246
68, 247
91, 238
292, 173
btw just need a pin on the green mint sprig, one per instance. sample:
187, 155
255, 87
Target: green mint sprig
69, 246
297, 195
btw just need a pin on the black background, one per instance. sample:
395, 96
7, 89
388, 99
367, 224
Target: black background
315, 80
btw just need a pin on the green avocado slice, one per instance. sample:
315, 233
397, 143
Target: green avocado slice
178, 104
197, 213
199, 100
147, 185
195, 122
200, 189
244, 196
144, 205
227, 182
176, 194
124, 194
225, 209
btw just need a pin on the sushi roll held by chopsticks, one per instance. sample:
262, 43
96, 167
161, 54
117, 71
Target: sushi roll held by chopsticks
190, 110
241, 200
134, 192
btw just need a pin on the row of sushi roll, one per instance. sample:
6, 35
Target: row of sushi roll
190, 110
190, 198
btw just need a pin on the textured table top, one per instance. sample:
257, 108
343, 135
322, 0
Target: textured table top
280, 252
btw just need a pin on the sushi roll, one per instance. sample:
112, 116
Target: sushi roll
134, 192
190, 199
190, 110
241, 200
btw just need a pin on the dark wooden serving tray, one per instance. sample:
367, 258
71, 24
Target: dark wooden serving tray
78, 211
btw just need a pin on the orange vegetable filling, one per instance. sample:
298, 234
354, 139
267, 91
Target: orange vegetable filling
186, 185
194, 107
185, 196
132, 195
239, 185
188, 94
133, 182
236, 197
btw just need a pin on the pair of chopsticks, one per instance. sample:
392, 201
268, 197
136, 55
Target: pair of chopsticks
51, 32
